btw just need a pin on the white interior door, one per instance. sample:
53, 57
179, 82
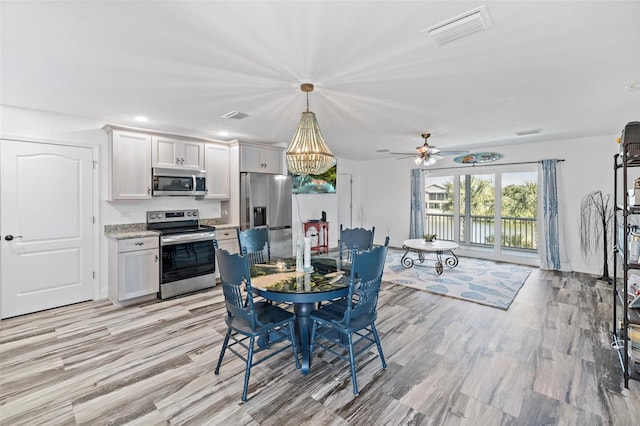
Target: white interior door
46, 225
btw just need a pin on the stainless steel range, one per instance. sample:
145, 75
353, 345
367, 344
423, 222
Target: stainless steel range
186, 250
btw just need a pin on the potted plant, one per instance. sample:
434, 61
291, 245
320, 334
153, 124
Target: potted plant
429, 238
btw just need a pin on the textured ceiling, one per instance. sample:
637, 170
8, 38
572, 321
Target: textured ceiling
557, 66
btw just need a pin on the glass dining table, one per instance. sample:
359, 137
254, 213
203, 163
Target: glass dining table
278, 281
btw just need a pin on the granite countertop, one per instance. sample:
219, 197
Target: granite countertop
128, 230
139, 230
123, 235
226, 226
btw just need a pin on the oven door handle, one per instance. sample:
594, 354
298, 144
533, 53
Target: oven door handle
170, 240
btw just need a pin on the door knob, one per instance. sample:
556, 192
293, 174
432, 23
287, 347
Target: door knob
11, 237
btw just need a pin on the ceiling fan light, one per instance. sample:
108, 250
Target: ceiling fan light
418, 160
429, 161
432, 150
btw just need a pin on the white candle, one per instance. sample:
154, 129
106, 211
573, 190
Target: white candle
299, 267
307, 253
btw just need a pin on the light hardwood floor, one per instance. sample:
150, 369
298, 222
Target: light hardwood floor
545, 361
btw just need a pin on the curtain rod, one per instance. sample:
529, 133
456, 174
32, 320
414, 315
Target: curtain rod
487, 165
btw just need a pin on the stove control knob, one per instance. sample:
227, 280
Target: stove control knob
195, 214
188, 213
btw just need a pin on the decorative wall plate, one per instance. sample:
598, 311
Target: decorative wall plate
478, 157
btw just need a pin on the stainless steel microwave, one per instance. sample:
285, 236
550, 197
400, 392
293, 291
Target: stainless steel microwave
176, 182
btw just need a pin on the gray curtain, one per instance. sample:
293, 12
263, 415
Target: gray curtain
549, 238
416, 220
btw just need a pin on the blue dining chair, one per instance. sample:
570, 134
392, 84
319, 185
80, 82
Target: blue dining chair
256, 243
350, 323
350, 238
249, 323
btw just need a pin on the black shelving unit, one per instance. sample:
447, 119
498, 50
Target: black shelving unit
622, 314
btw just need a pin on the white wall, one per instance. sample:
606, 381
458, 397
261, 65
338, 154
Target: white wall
311, 206
588, 166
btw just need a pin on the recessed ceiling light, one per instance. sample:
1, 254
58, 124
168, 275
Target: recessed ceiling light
141, 118
528, 132
633, 86
223, 133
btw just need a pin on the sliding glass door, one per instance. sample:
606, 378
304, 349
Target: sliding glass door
477, 209
491, 212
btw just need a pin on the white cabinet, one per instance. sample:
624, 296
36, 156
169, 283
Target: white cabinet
129, 165
176, 153
134, 269
216, 164
261, 159
227, 239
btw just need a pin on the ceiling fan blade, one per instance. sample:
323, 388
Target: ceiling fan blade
403, 153
437, 156
453, 152
405, 157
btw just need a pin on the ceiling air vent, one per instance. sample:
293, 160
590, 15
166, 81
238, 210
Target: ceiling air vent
460, 26
235, 115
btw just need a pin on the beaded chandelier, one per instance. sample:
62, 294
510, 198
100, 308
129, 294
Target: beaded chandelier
308, 154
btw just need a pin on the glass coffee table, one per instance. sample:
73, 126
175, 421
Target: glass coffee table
442, 250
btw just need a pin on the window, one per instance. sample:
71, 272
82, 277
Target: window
493, 210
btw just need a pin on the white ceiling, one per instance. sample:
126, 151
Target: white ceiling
560, 66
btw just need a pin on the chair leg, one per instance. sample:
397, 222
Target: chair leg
224, 348
312, 339
375, 336
294, 344
247, 371
353, 364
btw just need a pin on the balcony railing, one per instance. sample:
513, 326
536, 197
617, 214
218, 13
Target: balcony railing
517, 232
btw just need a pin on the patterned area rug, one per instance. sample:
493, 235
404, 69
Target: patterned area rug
486, 282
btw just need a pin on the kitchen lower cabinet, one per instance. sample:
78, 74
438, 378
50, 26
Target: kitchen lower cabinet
227, 239
134, 269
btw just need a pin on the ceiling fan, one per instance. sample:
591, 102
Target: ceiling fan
426, 154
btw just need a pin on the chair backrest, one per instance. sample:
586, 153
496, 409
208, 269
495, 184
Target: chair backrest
235, 277
359, 238
364, 283
256, 243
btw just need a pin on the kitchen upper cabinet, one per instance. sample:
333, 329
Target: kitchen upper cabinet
129, 165
260, 159
176, 153
216, 164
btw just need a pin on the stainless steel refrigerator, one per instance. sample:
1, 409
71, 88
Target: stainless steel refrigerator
266, 200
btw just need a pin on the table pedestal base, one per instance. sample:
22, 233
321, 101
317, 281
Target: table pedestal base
303, 328
450, 259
